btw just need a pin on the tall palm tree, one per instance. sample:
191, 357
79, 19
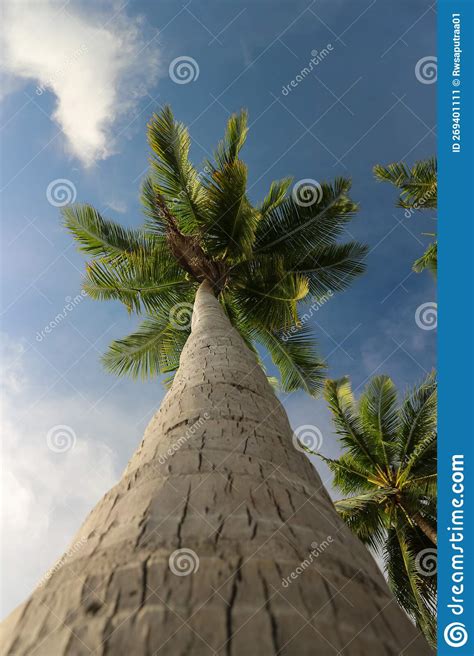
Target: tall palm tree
419, 190
389, 470
200, 547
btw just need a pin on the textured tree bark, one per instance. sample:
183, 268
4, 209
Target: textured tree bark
423, 525
272, 568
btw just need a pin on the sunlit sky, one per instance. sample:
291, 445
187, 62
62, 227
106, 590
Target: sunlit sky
80, 81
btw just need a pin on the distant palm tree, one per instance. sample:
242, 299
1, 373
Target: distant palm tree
389, 470
262, 261
419, 190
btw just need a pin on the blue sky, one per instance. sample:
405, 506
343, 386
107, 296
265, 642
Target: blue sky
80, 83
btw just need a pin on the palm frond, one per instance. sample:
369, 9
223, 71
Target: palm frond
151, 350
149, 194
379, 415
275, 197
296, 358
418, 417
415, 592
350, 475
331, 268
423, 485
140, 283
232, 219
338, 394
291, 227
418, 185
422, 461
418, 190
429, 260
234, 138
366, 516
267, 294
101, 237
173, 175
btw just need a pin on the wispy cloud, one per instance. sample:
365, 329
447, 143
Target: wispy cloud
52, 473
117, 205
96, 60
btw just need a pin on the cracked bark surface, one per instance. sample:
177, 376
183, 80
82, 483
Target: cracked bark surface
250, 505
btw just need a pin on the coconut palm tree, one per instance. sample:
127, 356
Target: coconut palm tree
219, 538
419, 190
389, 470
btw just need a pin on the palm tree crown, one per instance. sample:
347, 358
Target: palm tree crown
263, 261
419, 190
389, 471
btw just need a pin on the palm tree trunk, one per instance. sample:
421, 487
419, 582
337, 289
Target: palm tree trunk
424, 526
270, 567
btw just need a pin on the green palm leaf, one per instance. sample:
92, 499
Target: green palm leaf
338, 394
268, 294
418, 185
423, 459
418, 190
291, 227
235, 135
350, 475
332, 268
366, 515
141, 283
379, 415
418, 417
173, 175
275, 197
429, 260
295, 356
232, 219
101, 237
415, 592
153, 349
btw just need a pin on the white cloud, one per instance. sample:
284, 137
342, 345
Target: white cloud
45, 493
117, 205
96, 60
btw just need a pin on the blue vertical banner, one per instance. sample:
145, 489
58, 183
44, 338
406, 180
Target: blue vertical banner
456, 327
